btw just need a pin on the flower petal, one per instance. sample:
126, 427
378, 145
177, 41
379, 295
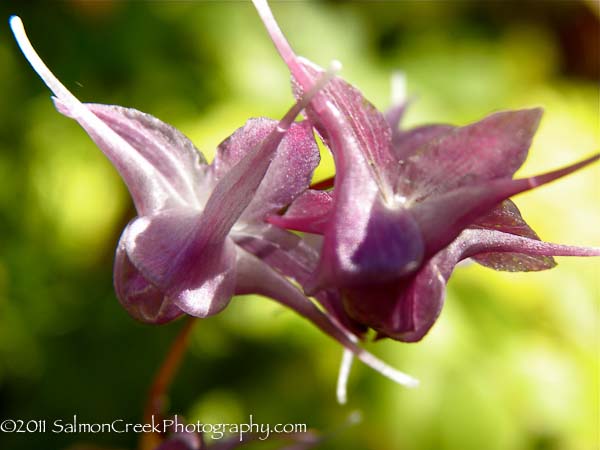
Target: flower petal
177, 253
308, 213
290, 171
167, 150
150, 191
406, 143
492, 148
366, 127
140, 298
442, 217
409, 309
507, 218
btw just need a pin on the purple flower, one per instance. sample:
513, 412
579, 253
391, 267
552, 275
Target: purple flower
407, 206
200, 236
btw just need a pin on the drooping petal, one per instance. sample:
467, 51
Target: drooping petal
368, 128
442, 217
308, 213
176, 252
168, 150
492, 148
419, 299
140, 298
366, 238
149, 189
235, 189
290, 171
256, 277
507, 218
186, 253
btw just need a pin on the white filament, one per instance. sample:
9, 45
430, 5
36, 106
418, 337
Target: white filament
398, 87
344, 374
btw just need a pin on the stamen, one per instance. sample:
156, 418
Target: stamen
342, 384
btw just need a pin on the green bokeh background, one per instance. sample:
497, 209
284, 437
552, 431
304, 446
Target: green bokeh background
512, 362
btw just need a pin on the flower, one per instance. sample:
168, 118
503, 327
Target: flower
200, 235
407, 206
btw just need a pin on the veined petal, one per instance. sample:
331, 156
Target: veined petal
411, 307
308, 213
140, 298
492, 148
507, 218
175, 251
371, 133
235, 189
442, 217
256, 277
406, 143
367, 132
475, 242
290, 171
149, 189
368, 243
168, 150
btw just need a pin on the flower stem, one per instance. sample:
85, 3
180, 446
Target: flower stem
162, 382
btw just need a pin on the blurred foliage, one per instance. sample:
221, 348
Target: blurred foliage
513, 362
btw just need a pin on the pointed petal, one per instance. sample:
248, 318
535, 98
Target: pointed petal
356, 245
367, 135
174, 251
407, 310
149, 190
421, 302
140, 298
256, 277
475, 242
236, 188
507, 218
492, 148
339, 105
289, 173
407, 143
404, 145
308, 213
167, 150
441, 218
360, 225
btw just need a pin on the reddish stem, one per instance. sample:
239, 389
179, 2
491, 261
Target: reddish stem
162, 381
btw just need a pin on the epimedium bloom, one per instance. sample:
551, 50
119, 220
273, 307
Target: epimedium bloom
200, 236
408, 205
